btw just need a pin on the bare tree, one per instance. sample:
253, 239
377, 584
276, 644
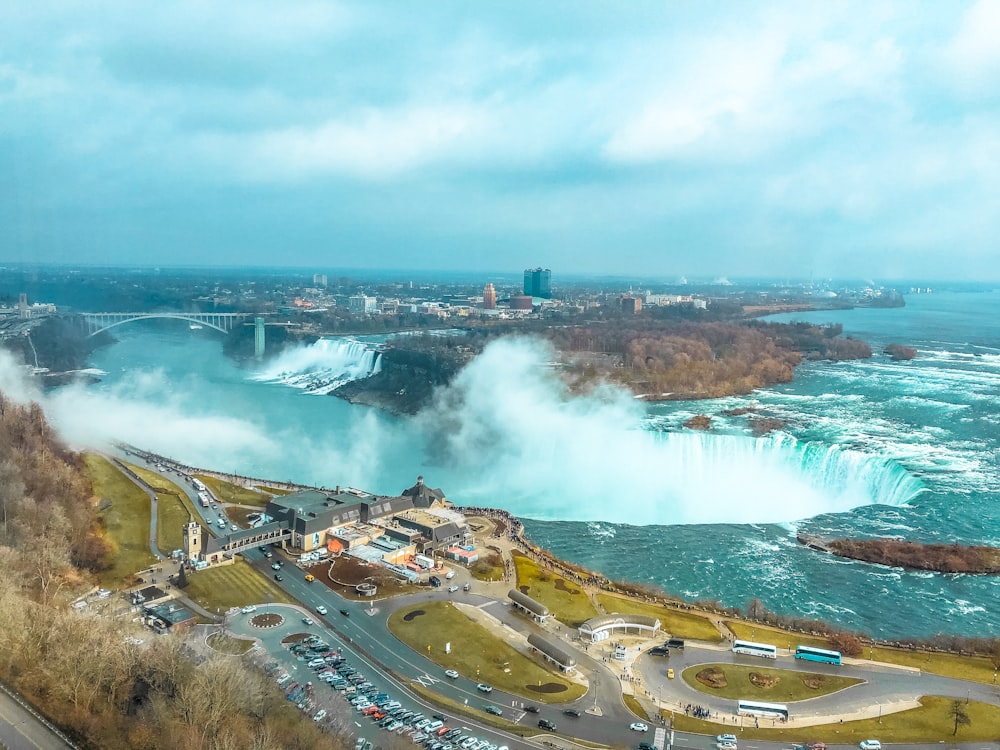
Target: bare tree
957, 711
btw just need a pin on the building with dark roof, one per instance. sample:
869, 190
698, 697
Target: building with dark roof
309, 514
553, 651
425, 497
529, 606
170, 616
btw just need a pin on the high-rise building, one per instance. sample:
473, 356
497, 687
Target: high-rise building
319, 279
536, 282
489, 297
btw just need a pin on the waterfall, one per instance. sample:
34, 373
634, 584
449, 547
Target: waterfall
323, 366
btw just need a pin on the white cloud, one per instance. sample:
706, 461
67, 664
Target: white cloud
974, 51
374, 144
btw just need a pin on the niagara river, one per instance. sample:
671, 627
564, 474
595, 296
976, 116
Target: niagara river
867, 448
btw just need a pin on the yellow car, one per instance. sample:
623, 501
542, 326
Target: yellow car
310, 578
670, 674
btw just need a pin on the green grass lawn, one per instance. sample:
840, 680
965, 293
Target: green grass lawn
478, 654
173, 509
233, 585
567, 601
227, 644
228, 492
678, 624
975, 668
788, 685
126, 520
632, 704
929, 723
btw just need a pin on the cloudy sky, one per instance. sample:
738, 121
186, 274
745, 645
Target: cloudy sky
663, 138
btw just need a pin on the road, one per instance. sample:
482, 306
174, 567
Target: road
364, 632
20, 729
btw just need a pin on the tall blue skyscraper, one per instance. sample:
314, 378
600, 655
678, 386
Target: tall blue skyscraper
536, 282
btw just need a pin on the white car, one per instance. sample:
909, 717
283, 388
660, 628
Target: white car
307, 620
275, 566
726, 738
452, 589
320, 715
638, 726
451, 673
870, 745
321, 609
484, 688
249, 608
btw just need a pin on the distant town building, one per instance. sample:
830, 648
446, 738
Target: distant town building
319, 279
631, 305
489, 297
536, 282
520, 302
360, 304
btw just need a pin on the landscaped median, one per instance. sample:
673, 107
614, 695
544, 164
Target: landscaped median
760, 683
975, 668
478, 654
929, 723
228, 492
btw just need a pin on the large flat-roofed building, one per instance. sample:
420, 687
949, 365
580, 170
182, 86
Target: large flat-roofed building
310, 514
436, 530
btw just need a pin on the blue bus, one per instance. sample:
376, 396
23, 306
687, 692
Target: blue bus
763, 710
818, 654
755, 649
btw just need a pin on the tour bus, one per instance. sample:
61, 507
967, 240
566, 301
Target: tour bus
765, 650
763, 710
817, 654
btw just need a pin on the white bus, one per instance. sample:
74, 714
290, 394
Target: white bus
765, 650
763, 710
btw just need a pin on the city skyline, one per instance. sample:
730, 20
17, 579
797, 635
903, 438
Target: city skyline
654, 140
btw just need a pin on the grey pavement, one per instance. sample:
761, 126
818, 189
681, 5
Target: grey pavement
21, 728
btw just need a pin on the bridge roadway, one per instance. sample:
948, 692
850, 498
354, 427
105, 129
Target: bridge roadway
366, 634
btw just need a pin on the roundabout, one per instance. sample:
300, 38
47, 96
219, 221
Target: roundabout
267, 620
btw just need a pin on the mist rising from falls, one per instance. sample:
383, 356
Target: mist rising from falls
510, 435
323, 366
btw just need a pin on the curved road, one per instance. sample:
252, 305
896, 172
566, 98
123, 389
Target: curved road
365, 632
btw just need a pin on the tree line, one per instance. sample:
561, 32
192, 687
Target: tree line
104, 681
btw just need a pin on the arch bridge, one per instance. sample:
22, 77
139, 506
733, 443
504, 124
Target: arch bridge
222, 322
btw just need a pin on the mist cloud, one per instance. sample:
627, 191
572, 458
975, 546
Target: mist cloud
510, 435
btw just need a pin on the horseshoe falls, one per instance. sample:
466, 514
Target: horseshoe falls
863, 449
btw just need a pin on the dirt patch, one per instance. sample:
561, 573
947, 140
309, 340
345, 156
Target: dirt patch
560, 585
546, 687
269, 620
411, 616
814, 681
288, 640
764, 681
348, 572
524, 589
712, 677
